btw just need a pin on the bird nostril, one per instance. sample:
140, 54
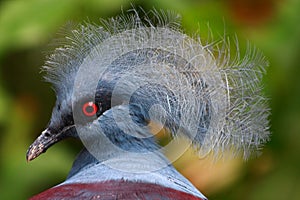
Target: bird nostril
47, 134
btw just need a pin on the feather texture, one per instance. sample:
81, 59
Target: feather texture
202, 92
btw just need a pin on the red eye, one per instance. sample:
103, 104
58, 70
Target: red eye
89, 109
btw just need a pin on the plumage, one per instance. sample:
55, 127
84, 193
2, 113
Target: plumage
112, 80
112, 190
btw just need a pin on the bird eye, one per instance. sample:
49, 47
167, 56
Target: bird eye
89, 109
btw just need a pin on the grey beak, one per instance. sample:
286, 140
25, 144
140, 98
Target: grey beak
41, 144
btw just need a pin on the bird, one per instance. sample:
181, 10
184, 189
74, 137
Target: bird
139, 68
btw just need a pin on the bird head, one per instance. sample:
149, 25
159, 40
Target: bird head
70, 112
161, 75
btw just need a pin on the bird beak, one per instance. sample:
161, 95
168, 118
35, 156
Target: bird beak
41, 144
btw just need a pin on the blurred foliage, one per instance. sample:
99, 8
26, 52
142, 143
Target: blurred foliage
26, 27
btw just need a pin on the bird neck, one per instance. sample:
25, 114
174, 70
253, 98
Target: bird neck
126, 162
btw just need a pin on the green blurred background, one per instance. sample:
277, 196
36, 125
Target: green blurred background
28, 26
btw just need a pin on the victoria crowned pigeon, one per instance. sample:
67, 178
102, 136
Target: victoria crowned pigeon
113, 81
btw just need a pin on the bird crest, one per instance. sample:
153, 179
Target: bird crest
205, 92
